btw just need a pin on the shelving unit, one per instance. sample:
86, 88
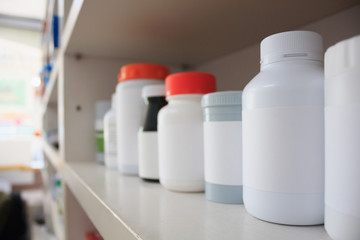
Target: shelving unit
50, 94
53, 155
219, 37
58, 229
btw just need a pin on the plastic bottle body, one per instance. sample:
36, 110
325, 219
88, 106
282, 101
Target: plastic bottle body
283, 137
129, 114
148, 139
110, 139
223, 147
342, 138
180, 135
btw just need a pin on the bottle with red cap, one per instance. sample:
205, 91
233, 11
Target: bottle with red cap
130, 108
180, 131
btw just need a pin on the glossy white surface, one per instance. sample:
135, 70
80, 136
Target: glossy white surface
126, 206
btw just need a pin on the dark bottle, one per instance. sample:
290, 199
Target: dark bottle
155, 103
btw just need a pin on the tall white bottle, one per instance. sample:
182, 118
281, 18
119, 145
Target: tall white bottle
130, 108
342, 140
283, 131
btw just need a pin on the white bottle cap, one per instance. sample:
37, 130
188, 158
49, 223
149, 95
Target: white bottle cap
292, 45
157, 90
342, 56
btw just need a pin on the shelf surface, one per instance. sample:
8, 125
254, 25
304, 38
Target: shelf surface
53, 155
126, 206
188, 31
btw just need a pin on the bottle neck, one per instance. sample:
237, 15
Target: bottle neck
184, 98
311, 58
293, 62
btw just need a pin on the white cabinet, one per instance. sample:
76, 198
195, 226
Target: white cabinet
220, 37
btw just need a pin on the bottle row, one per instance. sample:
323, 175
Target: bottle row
287, 147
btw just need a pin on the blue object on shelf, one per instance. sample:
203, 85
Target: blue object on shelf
46, 73
55, 31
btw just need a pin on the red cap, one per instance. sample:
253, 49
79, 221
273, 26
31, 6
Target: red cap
143, 70
189, 83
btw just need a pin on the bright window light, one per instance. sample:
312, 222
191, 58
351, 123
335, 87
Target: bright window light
34, 9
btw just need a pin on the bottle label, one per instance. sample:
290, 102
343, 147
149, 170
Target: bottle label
342, 177
148, 155
223, 152
110, 138
284, 149
181, 151
99, 137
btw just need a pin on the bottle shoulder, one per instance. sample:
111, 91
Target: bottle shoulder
138, 83
180, 112
291, 86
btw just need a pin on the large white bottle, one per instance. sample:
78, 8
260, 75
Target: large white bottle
342, 140
283, 131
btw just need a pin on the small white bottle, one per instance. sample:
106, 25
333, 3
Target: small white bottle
101, 107
342, 140
154, 97
223, 147
130, 108
180, 131
283, 131
110, 135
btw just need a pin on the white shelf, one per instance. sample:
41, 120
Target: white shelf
188, 31
125, 206
180, 34
55, 217
53, 155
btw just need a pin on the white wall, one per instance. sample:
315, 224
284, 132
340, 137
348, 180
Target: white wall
235, 70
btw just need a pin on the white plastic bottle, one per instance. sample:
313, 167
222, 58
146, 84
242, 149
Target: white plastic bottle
180, 132
154, 97
283, 131
101, 107
130, 108
223, 147
342, 140
110, 135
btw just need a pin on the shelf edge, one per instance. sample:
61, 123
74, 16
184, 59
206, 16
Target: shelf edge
70, 24
53, 155
107, 222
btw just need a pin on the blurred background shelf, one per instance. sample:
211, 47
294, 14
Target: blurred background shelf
53, 155
50, 95
57, 221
